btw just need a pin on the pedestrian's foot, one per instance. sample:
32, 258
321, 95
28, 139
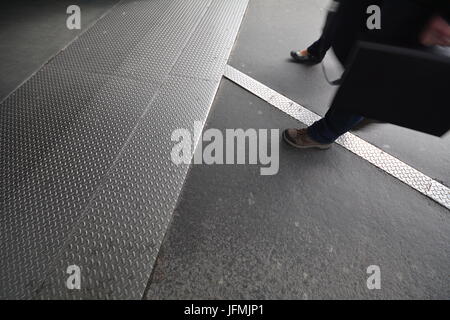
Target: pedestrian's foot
304, 57
299, 138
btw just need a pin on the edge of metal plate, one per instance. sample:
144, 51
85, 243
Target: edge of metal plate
119, 236
89, 179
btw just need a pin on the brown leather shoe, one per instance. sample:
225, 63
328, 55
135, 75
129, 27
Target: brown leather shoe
299, 138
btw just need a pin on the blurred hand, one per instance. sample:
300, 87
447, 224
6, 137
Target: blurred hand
437, 32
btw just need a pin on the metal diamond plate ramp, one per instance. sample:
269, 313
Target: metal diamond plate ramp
85, 164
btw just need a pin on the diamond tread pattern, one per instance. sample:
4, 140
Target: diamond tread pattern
85, 164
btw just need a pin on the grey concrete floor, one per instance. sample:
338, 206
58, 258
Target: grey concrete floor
310, 231
31, 32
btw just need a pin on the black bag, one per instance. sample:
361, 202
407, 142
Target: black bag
406, 87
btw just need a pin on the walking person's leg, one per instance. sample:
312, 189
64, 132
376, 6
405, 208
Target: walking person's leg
324, 132
316, 52
347, 25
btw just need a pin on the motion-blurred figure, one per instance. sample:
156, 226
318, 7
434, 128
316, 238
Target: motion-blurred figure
315, 53
419, 24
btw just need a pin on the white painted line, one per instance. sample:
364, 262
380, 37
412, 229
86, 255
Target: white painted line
396, 168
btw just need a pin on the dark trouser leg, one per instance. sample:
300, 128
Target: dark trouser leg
315, 51
334, 124
319, 48
341, 31
350, 26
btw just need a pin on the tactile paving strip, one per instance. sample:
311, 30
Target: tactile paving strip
396, 168
86, 171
